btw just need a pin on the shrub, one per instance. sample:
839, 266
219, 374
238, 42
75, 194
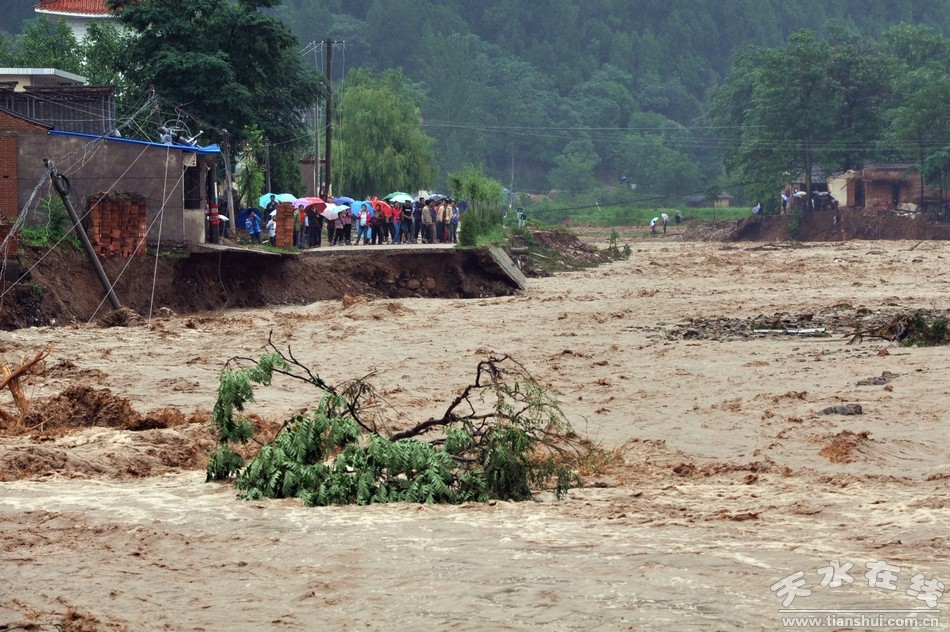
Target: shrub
337, 454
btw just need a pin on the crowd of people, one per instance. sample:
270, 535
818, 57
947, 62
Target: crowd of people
820, 201
365, 222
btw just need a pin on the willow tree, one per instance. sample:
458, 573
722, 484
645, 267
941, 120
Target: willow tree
379, 145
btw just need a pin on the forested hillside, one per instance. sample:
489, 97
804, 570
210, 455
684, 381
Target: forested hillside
542, 93
14, 13
657, 99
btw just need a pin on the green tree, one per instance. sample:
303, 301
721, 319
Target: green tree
657, 169
103, 44
573, 170
604, 105
923, 123
486, 104
46, 44
807, 103
226, 63
482, 193
920, 125
250, 168
380, 146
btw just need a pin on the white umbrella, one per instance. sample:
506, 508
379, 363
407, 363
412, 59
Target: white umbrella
333, 210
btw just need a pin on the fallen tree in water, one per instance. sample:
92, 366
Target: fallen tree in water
501, 437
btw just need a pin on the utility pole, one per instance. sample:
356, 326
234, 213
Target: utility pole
227, 179
267, 161
511, 184
328, 151
61, 184
316, 136
316, 151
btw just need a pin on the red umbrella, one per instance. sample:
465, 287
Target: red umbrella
379, 205
307, 202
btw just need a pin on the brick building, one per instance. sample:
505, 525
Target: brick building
885, 187
175, 180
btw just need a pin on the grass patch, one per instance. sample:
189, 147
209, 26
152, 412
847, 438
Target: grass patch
626, 215
54, 226
926, 332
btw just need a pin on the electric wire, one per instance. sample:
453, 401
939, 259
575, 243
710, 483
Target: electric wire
158, 218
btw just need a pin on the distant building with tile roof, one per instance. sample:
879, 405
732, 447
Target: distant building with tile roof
77, 14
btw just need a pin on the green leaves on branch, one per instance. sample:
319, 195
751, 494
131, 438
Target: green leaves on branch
503, 436
483, 193
234, 391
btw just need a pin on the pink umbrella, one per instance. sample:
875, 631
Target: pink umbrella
307, 202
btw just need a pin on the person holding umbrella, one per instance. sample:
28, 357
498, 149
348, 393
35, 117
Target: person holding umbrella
297, 226
272, 205
364, 231
335, 229
315, 222
394, 223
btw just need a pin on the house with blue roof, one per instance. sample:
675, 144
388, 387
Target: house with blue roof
175, 177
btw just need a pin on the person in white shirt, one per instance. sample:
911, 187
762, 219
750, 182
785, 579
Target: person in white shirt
272, 229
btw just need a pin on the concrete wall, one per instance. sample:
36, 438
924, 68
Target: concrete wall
840, 186
155, 172
193, 227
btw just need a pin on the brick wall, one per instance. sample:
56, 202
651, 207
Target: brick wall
9, 205
285, 225
11, 247
12, 123
117, 224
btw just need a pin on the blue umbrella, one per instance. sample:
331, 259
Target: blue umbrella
359, 205
280, 197
241, 218
343, 200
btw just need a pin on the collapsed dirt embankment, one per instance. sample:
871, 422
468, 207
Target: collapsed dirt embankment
60, 286
821, 226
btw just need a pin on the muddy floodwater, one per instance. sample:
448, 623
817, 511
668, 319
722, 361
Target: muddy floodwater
743, 489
